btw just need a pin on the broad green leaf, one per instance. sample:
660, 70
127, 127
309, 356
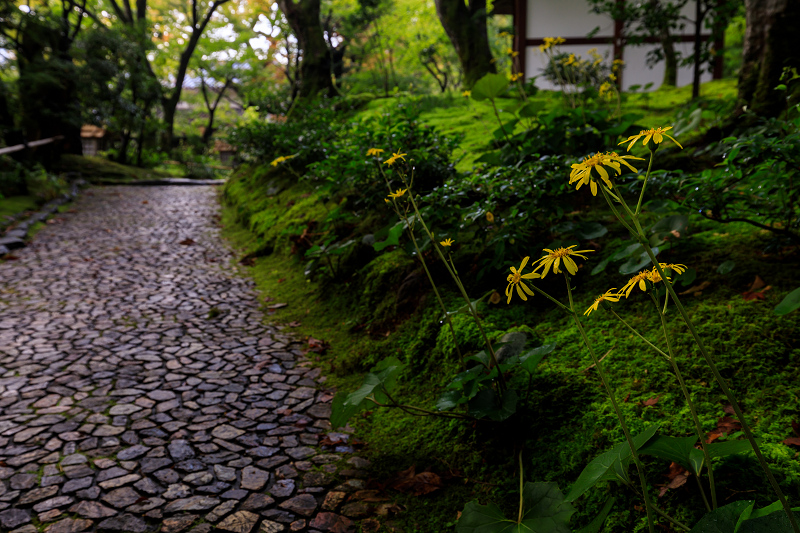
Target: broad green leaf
676, 449
531, 109
687, 278
636, 263
490, 86
600, 266
341, 412
726, 267
722, 520
544, 511
591, 230
789, 304
595, 525
625, 252
601, 464
491, 158
449, 400
506, 129
486, 404
770, 519
393, 239
729, 447
530, 360
671, 223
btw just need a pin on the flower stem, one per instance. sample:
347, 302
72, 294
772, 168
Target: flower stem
644, 185
653, 346
697, 426
625, 430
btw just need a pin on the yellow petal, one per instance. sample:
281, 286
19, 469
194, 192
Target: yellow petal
526, 289
524, 262
521, 294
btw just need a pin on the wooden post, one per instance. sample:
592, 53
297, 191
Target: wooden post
520, 33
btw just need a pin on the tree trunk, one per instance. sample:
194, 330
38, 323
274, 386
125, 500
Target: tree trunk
466, 28
770, 45
670, 59
315, 68
699, 15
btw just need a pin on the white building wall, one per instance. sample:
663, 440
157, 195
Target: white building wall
573, 18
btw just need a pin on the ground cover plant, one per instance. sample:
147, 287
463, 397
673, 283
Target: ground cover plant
342, 233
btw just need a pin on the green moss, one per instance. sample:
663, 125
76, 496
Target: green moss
100, 170
14, 205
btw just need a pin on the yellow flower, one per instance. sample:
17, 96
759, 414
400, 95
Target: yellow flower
386, 200
280, 160
398, 194
489, 216
466, 94
550, 42
605, 89
447, 242
392, 160
677, 267
570, 60
582, 172
374, 151
639, 279
504, 34
515, 279
554, 258
609, 296
612, 77
517, 76
657, 134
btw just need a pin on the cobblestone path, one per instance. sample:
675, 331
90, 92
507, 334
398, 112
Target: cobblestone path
141, 391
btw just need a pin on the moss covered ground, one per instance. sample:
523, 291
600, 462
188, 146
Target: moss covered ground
14, 205
383, 307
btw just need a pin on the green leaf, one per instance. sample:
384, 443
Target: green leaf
627, 251
591, 230
789, 304
393, 239
722, 520
603, 463
530, 360
595, 525
531, 109
490, 86
544, 511
601, 266
687, 278
505, 129
769, 519
486, 404
636, 263
491, 158
726, 267
729, 447
449, 400
676, 449
383, 375
341, 412
671, 223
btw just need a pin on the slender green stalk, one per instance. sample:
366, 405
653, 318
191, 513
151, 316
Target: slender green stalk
519, 517
540, 291
655, 508
417, 411
653, 346
625, 430
644, 185
464, 294
606, 194
703, 492
640, 235
502, 128
697, 426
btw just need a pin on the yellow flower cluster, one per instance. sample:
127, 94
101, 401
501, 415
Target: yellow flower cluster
392, 160
582, 172
639, 280
569, 60
656, 134
374, 151
466, 94
606, 89
517, 76
550, 42
554, 259
280, 160
511, 52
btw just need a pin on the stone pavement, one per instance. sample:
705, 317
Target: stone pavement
141, 391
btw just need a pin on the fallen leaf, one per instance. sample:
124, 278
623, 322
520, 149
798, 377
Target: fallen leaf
316, 345
281, 280
792, 441
697, 289
145, 202
757, 284
187, 241
334, 439
628, 397
410, 482
370, 496
370, 525
651, 401
756, 295
725, 425
677, 476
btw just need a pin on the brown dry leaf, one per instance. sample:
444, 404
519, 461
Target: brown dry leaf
410, 482
651, 401
370, 525
757, 284
370, 496
756, 295
725, 425
145, 202
316, 345
294, 324
677, 476
326, 397
187, 241
697, 289
334, 439
792, 441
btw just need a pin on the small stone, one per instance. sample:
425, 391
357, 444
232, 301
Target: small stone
132, 453
268, 526
195, 503
333, 500
92, 510
301, 452
11, 518
52, 503
254, 478
240, 522
126, 523
256, 502
221, 510
145, 505
70, 525
176, 524
304, 504
120, 481
176, 491
23, 481
357, 510
38, 495
120, 498
148, 485
226, 432
199, 478
224, 473
180, 450
283, 488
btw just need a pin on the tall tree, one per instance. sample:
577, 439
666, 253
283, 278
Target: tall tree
316, 72
465, 25
770, 45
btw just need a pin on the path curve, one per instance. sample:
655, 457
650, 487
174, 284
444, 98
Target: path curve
140, 389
